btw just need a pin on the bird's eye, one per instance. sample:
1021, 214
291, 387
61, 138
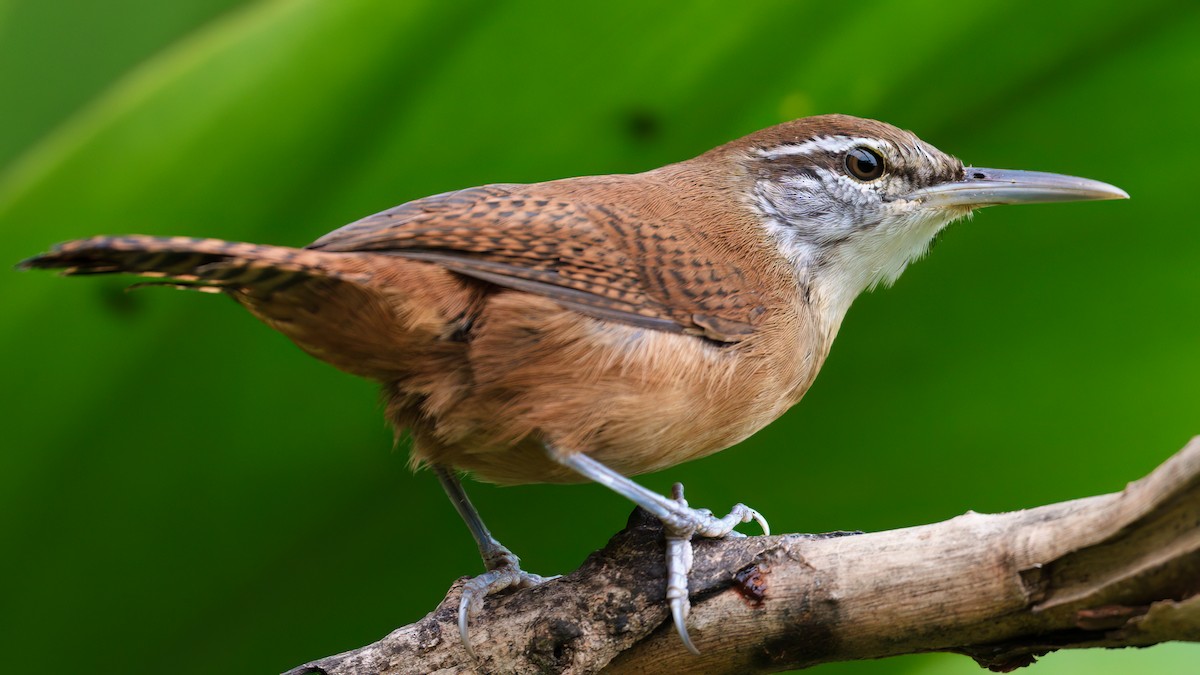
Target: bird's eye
864, 163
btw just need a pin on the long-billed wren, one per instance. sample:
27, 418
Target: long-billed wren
600, 327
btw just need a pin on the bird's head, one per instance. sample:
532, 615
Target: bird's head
851, 201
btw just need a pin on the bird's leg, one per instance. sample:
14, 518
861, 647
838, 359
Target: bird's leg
680, 524
503, 568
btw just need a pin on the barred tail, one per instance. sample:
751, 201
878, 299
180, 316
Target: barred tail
211, 265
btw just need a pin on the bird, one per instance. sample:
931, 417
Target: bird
599, 327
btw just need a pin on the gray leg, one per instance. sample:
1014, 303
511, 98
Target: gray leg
504, 568
680, 524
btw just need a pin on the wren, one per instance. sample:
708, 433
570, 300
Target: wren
599, 327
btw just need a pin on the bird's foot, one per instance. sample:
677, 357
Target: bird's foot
679, 526
504, 571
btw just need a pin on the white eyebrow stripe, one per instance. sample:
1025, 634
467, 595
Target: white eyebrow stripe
830, 144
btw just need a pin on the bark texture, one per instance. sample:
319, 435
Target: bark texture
1113, 570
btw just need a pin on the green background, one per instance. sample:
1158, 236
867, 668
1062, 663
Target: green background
182, 490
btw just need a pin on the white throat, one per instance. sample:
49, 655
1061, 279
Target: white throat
877, 257
838, 259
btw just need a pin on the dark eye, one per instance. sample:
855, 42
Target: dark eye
864, 163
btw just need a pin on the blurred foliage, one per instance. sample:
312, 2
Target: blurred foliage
183, 491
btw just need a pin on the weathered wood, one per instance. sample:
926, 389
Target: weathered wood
1113, 570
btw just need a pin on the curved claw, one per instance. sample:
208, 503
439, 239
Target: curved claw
762, 522
679, 565
679, 530
492, 581
680, 524
680, 608
473, 593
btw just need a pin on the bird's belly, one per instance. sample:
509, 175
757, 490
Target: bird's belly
635, 399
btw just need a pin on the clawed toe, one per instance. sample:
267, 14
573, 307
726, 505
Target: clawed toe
492, 581
680, 524
504, 568
679, 528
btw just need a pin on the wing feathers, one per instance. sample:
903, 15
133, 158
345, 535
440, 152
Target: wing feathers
563, 241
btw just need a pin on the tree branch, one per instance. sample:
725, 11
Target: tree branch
1114, 570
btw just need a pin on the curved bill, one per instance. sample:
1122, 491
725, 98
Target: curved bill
985, 187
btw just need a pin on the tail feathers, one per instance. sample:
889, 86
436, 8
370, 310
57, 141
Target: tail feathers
211, 265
